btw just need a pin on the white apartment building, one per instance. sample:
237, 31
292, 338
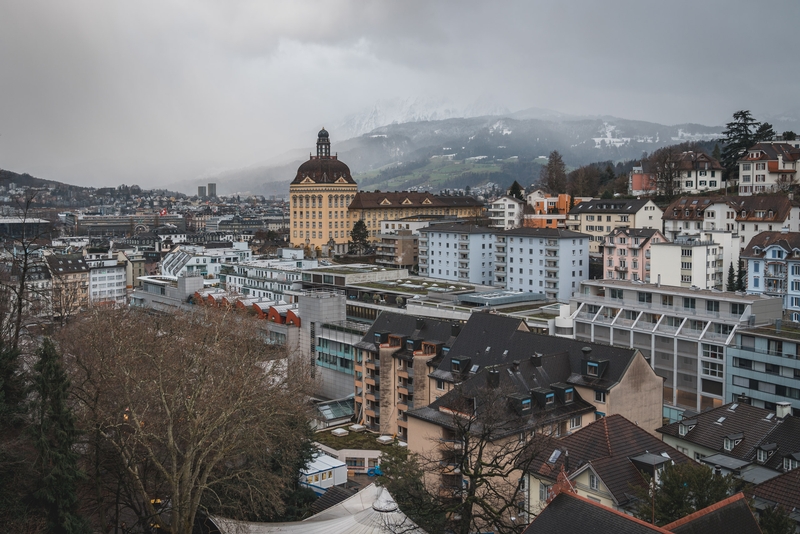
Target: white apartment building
458, 252
506, 213
107, 279
541, 260
683, 333
205, 260
700, 261
769, 166
599, 217
746, 216
272, 279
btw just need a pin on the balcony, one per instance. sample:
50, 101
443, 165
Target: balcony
621, 268
609, 244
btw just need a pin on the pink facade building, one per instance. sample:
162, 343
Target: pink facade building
626, 253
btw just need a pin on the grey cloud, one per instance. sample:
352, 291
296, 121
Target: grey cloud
155, 92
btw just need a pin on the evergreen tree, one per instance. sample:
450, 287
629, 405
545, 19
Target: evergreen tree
789, 135
776, 521
359, 237
741, 278
731, 285
717, 153
682, 490
54, 435
764, 132
739, 136
553, 176
516, 191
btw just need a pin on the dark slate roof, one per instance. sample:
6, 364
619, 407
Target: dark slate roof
693, 208
458, 228
61, 264
607, 444
609, 206
556, 233
569, 512
731, 516
489, 339
424, 328
408, 199
323, 170
519, 379
783, 489
758, 427
756, 248
769, 151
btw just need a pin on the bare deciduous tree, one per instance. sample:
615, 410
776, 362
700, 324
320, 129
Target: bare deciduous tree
192, 409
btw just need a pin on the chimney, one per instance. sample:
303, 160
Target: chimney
718, 470
783, 409
566, 459
658, 284
455, 329
515, 365
587, 351
420, 323
743, 399
493, 378
536, 359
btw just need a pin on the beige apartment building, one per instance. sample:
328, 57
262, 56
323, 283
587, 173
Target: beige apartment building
599, 217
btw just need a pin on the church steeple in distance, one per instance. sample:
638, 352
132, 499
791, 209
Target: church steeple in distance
323, 144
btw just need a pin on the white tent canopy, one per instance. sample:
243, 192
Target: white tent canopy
370, 511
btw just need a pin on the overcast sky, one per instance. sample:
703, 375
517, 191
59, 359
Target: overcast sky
108, 92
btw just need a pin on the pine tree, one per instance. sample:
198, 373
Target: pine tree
516, 191
731, 285
359, 237
741, 278
764, 132
54, 435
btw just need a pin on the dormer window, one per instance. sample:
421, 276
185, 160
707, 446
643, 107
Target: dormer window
732, 440
789, 463
550, 400
568, 396
762, 456
591, 368
686, 426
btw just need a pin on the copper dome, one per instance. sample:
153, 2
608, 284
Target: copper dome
323, 171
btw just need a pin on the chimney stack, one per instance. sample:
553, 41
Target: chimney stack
420, 323
587, 352
455, 329
536, 359
493, 378
783, 409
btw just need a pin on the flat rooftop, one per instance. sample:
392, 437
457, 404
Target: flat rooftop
498, 298
683, 291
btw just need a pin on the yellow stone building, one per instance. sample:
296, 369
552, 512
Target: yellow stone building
319, 195
376, 206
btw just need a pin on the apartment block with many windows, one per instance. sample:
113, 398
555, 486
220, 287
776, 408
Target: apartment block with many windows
768, 167
599, 217
549, 261
773, 268
764, 365
458, 252
626, 253
701, 261
682, 332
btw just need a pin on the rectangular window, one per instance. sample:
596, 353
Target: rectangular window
600, 396
712, 369
543, 491
575, 422
689, 303
593, 481
666, 300
645, 297
712, 305
616, 294
591, 368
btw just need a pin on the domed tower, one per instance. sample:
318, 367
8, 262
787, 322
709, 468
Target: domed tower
319, 195
323, 144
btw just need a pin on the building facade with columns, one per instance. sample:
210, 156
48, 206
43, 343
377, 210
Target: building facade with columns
319, 196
